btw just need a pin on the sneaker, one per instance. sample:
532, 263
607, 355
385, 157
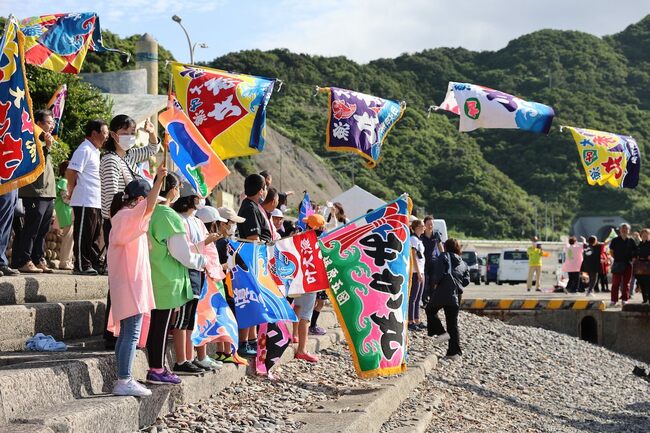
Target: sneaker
590, 295
164, 378
413, 327
438, 339
187, 368
623, 302
208, 364
245, 350
306, 357
253, 345
228, 359
317, 330
30, 268
131, 388
612, 304
452, 357
8, 272
87, 271
422, 326
43, 267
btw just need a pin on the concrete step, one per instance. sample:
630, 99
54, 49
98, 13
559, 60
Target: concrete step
64, 320
70, 391
57, 287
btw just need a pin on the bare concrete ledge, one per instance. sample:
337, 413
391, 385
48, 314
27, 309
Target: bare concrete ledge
57, 287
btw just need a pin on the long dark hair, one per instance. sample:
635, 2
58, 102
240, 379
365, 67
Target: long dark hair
340, 214
171, 182
184, 204
118, 203
121, 121
452, 245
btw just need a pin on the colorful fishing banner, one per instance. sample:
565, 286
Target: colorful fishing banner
193, 156
367, 262
482, 107
56, 106
297, 264
359, 123
228, 109
21, 153
60, 42
304, 210
272, 340
257, 297
608, 159
215, 320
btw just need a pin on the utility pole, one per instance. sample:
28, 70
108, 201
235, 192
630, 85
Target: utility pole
545, 221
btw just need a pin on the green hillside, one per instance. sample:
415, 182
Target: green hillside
488, 182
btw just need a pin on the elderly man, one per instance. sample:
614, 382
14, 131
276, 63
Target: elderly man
622, 248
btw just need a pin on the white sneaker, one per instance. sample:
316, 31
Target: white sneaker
131, 388
452, 358
208, 363
612, 304
437, 339
623, 302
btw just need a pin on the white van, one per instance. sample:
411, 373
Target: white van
441, 226
513, 267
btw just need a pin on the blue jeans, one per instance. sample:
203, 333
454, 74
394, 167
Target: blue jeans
126, 345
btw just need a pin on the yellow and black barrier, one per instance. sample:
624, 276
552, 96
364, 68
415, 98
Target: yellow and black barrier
532, 304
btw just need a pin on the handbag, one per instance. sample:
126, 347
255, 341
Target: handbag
618, 267
641, 267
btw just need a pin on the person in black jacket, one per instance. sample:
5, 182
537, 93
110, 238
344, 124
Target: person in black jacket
643, 254
450, 275
591, 263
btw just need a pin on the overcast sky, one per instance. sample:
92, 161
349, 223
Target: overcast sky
362, 30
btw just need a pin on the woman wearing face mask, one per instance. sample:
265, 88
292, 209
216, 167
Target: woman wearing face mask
117, 168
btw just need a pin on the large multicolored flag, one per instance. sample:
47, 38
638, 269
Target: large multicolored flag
215, 320
482, 107
272, 340
304, 210
21, 153
56, 106
194, 157
359, 123
608, 159
297, 264
60, 42
367, 263
257, 297
229, 109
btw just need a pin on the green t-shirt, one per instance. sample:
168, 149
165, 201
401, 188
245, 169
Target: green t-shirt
534, 256
170, 279
63, 210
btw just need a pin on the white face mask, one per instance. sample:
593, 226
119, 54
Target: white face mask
201, 203
126, 141
231, 229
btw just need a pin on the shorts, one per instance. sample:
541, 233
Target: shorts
196, 280
186, 316
322, 295
306, 303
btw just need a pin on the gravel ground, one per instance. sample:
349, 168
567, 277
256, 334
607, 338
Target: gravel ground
521, 379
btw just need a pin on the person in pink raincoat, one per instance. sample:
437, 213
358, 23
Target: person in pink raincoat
573, 252
129, 275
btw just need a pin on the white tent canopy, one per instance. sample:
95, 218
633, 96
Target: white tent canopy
356, 201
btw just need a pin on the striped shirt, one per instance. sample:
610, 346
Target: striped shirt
116, 172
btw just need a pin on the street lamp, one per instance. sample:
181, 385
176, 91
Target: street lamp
200, 45
177, 19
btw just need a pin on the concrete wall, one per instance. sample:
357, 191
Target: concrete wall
132, 81
620, 331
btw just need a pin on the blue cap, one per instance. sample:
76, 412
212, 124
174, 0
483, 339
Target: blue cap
137, 188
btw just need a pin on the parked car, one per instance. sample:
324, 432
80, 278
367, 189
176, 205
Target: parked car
513, 267
471, 259
491, 267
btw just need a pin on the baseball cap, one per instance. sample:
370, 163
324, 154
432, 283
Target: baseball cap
208, 214
137, 188
277, 213
314, 221
230, 215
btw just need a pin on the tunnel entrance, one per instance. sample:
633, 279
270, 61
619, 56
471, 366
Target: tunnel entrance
589, 329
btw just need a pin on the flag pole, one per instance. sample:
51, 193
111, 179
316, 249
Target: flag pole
166, 136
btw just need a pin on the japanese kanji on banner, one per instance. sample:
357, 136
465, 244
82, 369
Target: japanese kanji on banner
367, 262
297, 264
256, 294
228, 109
359, 123
608, 159
482, 107
21, 153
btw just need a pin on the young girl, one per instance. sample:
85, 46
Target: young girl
64, 218
169, 255
200, 243
129, 275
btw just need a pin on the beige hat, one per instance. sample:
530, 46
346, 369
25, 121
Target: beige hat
230, 215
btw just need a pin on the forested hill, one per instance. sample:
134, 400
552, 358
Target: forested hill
487, 182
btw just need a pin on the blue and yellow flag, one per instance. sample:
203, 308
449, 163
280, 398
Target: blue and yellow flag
608, 159
21, 154
228, 109
60, 42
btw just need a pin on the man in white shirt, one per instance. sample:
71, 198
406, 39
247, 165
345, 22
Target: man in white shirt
84, 188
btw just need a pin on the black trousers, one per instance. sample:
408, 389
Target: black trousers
434, 326
644, 283
157, 338
573, 284
86, 229
30, 241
